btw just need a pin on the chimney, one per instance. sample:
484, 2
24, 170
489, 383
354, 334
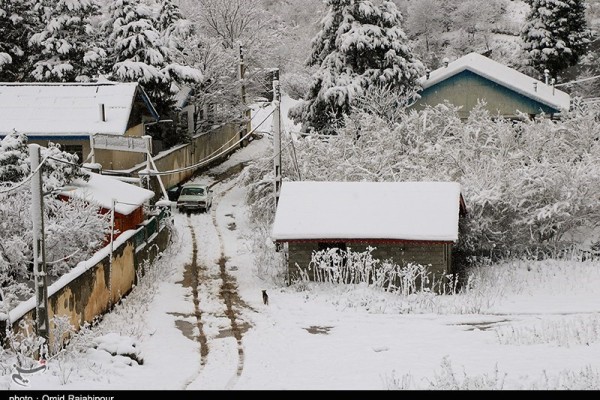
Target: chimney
446, 61
535, 86
102, 112
546, 75
427, 73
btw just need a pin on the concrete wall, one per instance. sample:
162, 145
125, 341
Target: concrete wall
119, 160
97, 289
436, 254
203, 146
466, 88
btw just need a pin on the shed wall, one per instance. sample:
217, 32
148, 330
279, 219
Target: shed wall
435, 256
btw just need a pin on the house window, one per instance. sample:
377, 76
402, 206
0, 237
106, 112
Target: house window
74, 149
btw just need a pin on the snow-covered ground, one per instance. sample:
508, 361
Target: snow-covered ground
175, 330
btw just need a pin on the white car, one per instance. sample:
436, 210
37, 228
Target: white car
195, 197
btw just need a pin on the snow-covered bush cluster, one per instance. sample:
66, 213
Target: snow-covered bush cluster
529, 185
449, 378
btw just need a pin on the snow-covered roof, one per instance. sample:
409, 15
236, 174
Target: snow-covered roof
426, 211
102, 189
502, 75
67, 109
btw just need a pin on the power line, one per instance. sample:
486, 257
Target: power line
578, 81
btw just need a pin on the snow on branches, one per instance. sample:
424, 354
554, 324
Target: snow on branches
74, 229
530, 186
361, 45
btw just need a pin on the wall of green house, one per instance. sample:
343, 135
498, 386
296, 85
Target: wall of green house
466, 88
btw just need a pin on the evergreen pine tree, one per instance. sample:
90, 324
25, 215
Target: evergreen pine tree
361, 44
556, 34
137, 54
172, 25
16, 19
64, 45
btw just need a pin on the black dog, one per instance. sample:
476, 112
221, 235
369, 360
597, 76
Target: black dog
265, 297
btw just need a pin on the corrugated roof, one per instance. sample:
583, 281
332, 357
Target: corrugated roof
426, 211
66, 109
504, 76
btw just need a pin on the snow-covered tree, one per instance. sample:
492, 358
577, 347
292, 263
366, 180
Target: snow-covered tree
556, 34
74, 229
137, 53
219, 92
246, 23
421, 22
64, 46
231, 21
173, 26
361, 44
16, 19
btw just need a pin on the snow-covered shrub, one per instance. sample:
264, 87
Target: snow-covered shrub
564, 331
447, 378
258, 177
26, 344
62, 329
269, 264
295, 83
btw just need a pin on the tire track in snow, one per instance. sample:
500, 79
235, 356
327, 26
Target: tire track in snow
219, 303
230, 296
195, 278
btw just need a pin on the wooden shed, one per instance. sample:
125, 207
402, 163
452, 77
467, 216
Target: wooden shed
414, 222
129, 199
506, 91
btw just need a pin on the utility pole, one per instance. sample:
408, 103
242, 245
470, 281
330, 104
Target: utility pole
39, 248
277, 138
242, 72
246, 115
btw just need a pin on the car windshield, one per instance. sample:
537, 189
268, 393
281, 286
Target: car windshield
192, 191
